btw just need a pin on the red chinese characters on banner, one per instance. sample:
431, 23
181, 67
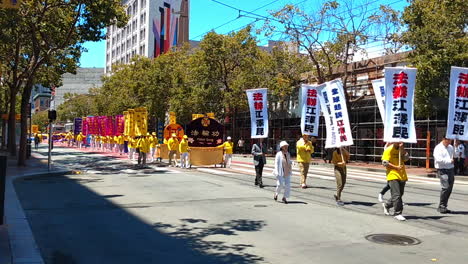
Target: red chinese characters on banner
461, 105
311, 111
258, 106
400, 117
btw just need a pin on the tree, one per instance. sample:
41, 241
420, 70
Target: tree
436, 33
76, 105
46, 36
41, 119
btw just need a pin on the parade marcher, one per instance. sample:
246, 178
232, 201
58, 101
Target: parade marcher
153, 143
283, 171
120, 142
304, 155
393, 159
184, 152
173, 147
143, 147
131, 148
69, 137
228, 147
386, 188
444, 163
339, 159
459, 157
258, 152
79, 140
240, 145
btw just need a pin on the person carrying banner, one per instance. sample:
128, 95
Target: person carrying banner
173, 147
304, 154
339, 159
184, 152
258, 152
393, 159
459, 156
228, 147
283, 172
153, 143
386, 188
444, 163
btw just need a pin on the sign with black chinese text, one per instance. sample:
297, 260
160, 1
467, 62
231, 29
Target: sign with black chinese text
258, 104
379, 92
310, 110
205, 132
457, 125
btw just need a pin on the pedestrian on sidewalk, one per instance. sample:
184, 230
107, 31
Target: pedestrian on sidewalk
386, 188
459, 157
283, 172
173, 147
393, 159
304, 155
37, 139
184, 152
240, 145
339, 159
444, 163
228, 148
259, 159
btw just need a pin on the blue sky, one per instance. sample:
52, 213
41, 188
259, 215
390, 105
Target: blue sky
206, 15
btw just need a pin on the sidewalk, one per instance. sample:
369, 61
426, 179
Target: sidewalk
17, 243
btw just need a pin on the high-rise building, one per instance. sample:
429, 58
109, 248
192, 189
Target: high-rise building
154, 27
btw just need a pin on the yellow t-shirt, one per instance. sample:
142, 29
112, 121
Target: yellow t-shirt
228, 147
183, 146
337, 158
173, 144
153, 142
131, 142
304, 151
143, 145
391, 155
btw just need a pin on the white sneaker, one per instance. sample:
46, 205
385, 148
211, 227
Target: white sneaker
380, 198
400, 217
385, 209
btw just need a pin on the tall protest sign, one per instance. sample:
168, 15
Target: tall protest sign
399, 105
310, 110
258, 112
333, 104
458, 104
77, 125
379, 92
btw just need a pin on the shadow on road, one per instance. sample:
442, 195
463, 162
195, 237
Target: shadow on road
72, 224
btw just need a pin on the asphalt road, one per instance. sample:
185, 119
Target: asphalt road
114, 213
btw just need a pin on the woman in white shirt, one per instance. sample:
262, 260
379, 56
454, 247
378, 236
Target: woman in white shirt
283, 171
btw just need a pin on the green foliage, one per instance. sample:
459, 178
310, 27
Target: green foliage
76, 105
437, 34
41, 119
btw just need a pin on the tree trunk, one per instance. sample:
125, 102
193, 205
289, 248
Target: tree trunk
12, 124
25, 98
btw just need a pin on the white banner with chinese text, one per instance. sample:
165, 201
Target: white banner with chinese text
333, 104
399, 105
258, 112
457, 127
379, 92
310, 110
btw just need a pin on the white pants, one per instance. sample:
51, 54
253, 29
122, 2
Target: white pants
184, 160
152, 151
283, 183
80, 144
227, 160
131, 152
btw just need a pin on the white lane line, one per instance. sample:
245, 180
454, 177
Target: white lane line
214, 171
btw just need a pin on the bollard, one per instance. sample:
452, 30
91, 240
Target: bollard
3, 166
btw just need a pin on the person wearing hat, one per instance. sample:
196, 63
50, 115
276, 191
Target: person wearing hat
184, 152
228, 147
173, 147
283, 172
153, 143
144, 149
304, 154
339, 158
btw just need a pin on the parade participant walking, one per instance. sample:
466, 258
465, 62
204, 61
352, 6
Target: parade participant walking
339, 158
228, 147
69, 137
444, 163
79, 140
240, 145
386, 188
459, 157
37, 140
153, 143
120, 142
283, 172
184, 152
144, 149
258, 152
304, 155
173, 147
131, 148
393, 159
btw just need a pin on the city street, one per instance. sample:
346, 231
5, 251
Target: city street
108, 211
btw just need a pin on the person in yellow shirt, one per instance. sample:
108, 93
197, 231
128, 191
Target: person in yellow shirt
121, 144
173, 147
304, 154
393, 159
79, 140
153, 143
69, 137
131, 148
184, 153
339, 158
228, 147
143, 147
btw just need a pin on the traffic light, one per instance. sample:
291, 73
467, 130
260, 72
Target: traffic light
52, 115
10, 3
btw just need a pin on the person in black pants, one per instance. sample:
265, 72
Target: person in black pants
258, 152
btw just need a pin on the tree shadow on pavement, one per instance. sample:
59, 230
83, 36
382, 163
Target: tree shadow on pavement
73, 224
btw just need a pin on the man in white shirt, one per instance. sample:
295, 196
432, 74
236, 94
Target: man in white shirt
444, 163
459, 158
